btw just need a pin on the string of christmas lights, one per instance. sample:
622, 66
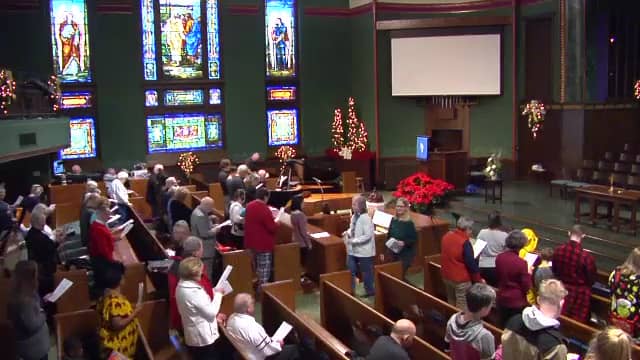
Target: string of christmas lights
187, 162
55, 92
337, 130
7, 90
357, 131
285, 153
636, 90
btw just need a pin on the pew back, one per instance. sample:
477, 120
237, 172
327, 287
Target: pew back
342, 313
77, 296
153, 324
77, 323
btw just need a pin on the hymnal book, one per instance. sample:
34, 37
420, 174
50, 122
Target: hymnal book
226, 223
394, 245
64, 285
478, 246
382, 220
226, 288
282, 332
531, 258
112, 219
320, 235
224, 276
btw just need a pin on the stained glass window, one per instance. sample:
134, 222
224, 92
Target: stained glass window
215, 96
148, 40
281, 93
82, 139
151, 98
282, 126
180, 132
70, 41
280, 38
75, 100
183, 97
180, 21
213, 39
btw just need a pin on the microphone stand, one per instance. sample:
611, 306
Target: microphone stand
325, 206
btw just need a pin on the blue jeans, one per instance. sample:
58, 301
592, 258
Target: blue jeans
365, 265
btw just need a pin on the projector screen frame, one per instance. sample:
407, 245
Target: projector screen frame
458, 31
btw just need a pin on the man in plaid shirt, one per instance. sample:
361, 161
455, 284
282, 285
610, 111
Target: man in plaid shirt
577, 270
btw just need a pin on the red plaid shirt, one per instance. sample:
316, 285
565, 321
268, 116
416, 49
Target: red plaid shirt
577, 271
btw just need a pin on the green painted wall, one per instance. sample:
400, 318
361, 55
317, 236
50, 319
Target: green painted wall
49, 132
362, 70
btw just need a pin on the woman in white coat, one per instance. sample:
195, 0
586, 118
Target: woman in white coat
361, 245
197, 311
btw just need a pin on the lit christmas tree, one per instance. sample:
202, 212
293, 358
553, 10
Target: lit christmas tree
357, 133
337, 130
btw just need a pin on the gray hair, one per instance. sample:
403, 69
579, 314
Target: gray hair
191, 245
41, 209
181, 224
465, 223
241, 303
361, 204
38, 220
516, 240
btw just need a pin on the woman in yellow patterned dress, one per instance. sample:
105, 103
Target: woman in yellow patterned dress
116, 317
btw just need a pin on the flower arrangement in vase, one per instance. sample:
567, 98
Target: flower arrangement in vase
422, 191
494, 166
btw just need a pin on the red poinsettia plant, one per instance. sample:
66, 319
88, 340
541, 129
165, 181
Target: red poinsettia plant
422, 191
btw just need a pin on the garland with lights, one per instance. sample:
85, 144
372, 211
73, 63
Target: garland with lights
535, 112
187, 162
54, 92
285, 153
7, 90
636, 90
357, 131
337, 131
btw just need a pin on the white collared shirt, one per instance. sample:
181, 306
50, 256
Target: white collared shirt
119, 192
198, 313
252, 336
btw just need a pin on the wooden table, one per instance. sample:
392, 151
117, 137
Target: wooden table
595, 194
313, 204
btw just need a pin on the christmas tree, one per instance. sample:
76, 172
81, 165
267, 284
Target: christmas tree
357, 134
337, 131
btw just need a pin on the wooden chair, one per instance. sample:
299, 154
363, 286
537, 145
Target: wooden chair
600, 177
633, 181
583, 175
621, 167
605, 166
77, 297
627, 148
608, 156
349, 182
624, 157
588, 164
619, 179
635, 169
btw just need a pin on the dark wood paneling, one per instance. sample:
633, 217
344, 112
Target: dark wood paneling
608, 130
445, 22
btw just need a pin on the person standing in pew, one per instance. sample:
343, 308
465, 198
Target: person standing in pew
576, 268
495, 238
361, 245
459, 267
154, 190
610, 344
101, 243
235, 180
260, 235
466, 335
198, 311
117, 326
534, 334
236, 215
43, 251
223, 173
299, 233
191, 247
514, 277
393, 347
403, 230
120, 195
624, 283
244, 328
203, 226
179, 234
177, 208
26, 315
6, 212
88, 215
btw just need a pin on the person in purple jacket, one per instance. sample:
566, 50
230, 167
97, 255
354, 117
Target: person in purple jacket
514, 277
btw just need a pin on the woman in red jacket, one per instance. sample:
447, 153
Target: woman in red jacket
514, 277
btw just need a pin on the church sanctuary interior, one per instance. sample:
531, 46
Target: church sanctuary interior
319, 179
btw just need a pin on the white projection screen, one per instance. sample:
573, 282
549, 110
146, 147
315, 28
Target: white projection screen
446, 65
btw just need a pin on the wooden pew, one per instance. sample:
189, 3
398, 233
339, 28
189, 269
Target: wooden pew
77, 323
340, 312
579, 334
77, 296
141, 207
278, 305
338, 201
334, 224
397, 299
153, 324
65, 213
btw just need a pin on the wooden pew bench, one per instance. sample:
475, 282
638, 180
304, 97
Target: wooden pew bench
341, 313
153, 324
397, 299
278, 305
578, 333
